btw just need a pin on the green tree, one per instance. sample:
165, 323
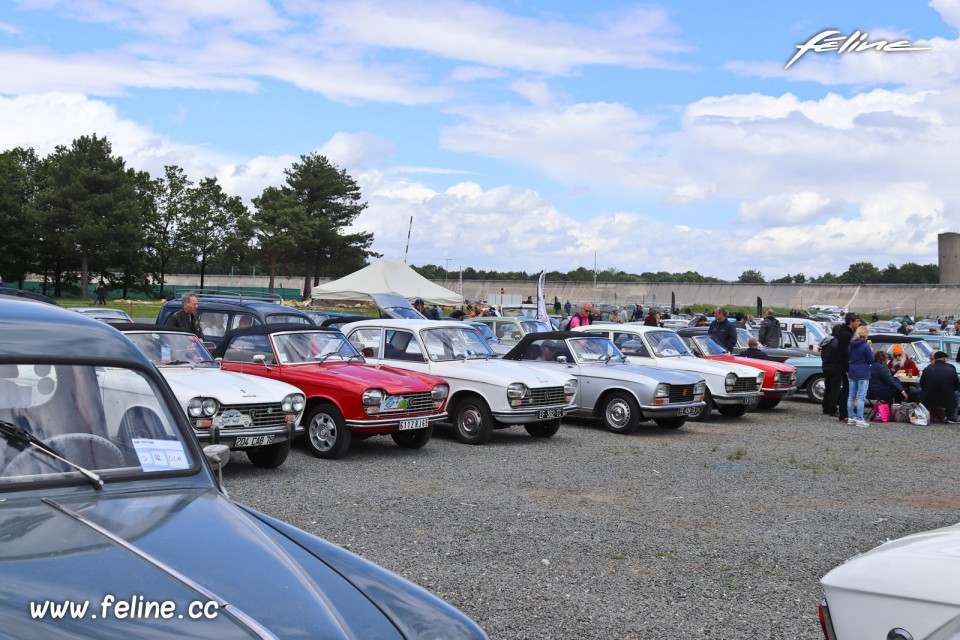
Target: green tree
163, 229
213, 223
752, 276
18, 169
277, 221
861, 273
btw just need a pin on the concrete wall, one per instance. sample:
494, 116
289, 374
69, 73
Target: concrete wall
920, 300
948, 252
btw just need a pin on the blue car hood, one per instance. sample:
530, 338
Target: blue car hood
138, 548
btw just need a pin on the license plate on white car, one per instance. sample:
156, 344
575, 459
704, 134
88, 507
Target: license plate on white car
687, 411
752, 400
418, 423
253, 441
543, 414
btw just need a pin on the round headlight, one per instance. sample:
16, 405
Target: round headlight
372, 397
209, 407
517, 390
292, 403
440, 392
299, 402
194, 407
570, 387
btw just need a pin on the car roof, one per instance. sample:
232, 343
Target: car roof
149, 326
520, 348
43, 330
888, 338
26, 295
394, 323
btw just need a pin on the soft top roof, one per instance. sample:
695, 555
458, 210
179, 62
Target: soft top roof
269, 329
148, 326
521, 347
892, 338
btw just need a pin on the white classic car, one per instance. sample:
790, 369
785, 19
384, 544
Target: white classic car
620, 394
248, 413
486, 393
731, 386
901, 590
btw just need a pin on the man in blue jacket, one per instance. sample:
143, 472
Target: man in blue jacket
722, 331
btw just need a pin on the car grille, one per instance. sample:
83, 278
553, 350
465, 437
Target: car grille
417, 402
681, 393
543, 397
744, 385
268, 414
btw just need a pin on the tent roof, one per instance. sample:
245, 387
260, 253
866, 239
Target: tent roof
386, 276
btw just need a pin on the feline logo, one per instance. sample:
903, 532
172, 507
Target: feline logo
854, 43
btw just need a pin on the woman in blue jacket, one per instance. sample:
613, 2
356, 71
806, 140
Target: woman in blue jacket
860, 357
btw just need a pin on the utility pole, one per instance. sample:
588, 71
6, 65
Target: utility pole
445, 271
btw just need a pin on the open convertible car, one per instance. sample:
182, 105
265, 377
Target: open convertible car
114, 526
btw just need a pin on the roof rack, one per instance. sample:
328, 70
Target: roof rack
230, 294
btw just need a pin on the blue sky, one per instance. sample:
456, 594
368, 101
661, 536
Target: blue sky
528, 135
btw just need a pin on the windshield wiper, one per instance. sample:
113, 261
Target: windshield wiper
15, 435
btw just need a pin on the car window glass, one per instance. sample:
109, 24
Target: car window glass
243, 320
172, 349
594, 349
454, 343
284, 318
313, 346
214, 323
402, 345
244, 348
366, 341
667, 344
709, 346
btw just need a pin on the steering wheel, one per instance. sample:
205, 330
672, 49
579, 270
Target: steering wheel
84, 449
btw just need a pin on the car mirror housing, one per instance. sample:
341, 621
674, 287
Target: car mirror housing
218, 455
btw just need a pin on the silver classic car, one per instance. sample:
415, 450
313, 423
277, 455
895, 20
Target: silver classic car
620, 394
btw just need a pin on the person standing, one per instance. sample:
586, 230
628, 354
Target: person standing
770, 330
722, 330
556, 305
833, 373
567, 307
100, 294
582, 318
851, 323
739, 320
939, 386
637, 313
860, 357
187, 317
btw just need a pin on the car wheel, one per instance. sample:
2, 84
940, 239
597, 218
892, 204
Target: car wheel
270, 456
671, 423
816, 388
769, 403
472, 421
621, 413
415, 439
704, 411
546, 429
732, 410
327, 433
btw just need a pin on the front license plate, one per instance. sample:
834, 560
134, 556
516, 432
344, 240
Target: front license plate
751, 400
253, 441
418, 423
686, 411
544, 414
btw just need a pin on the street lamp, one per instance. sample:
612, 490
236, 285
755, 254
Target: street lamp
445, 271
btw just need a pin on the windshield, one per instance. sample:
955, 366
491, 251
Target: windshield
108, 420
173, 349
594, 349
455, 343
403, 312
710, 347
534, 326
313, 346
923, 351
486, 332
667, 344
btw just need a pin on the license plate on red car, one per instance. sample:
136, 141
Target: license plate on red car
253, 441
417, 423
544, 414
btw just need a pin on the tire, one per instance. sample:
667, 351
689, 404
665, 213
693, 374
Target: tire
769, 403
816, 388
270, 456
620, 413
671, 423
546, 429
415, 439
732, 410
472, 421
327, 433
706, 410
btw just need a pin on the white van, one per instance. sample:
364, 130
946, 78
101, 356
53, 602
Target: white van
808, 332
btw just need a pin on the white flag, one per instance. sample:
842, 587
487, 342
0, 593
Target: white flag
541, 305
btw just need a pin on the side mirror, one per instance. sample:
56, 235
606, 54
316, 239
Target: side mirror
209, 346
562, 359
260, 359
218, 455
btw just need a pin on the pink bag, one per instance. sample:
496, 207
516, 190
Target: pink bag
882, 413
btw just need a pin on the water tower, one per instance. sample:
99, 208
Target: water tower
949, 257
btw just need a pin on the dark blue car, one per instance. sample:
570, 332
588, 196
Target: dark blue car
112, 523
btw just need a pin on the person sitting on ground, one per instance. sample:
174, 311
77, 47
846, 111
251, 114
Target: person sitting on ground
939, 386
753, 350
902, 362
884, 386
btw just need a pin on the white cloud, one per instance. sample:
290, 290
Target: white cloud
949, 10
786, 209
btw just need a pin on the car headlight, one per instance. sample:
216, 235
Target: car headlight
699, 390
570, 387
194, 407
517, 390
759, 380
210, 407
663, 390
292, 403
440, 393
730, 382
372, 397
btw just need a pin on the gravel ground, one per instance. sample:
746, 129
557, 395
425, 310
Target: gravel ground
720, 529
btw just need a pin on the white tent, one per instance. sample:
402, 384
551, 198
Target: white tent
386, 276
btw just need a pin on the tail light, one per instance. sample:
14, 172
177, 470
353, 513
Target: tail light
825, 622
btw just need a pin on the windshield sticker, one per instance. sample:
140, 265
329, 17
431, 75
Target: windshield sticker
160, 455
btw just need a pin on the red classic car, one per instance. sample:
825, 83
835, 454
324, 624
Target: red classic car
779, 379
346, 398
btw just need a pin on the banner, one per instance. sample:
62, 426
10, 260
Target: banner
541, 305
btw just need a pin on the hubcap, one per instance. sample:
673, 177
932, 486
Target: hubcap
470, 421
618, 414
323, 432
819, 388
